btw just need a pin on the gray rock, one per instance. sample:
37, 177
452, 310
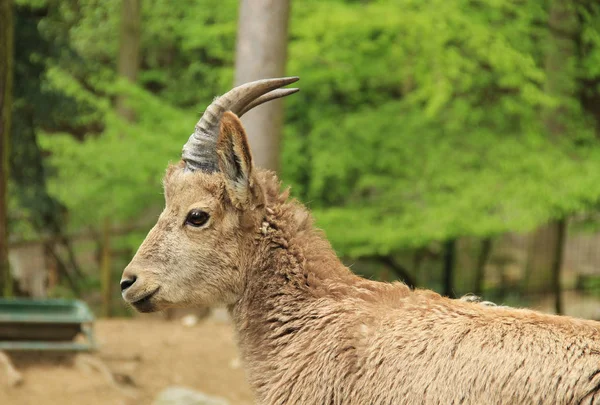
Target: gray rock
186, 396
220, 314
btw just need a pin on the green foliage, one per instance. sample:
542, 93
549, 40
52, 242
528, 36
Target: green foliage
118, 173
591, 285
422, 121
104, 168
417, 121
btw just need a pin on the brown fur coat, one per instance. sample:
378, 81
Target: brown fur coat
311, 332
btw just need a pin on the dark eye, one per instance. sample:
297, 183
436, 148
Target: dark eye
196, 218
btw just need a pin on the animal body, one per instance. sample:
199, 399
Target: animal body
312, 332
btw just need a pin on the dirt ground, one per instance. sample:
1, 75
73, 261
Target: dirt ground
144, 355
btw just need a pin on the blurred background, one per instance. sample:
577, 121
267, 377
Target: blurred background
451, 144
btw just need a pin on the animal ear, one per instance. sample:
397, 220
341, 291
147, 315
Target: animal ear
235, 160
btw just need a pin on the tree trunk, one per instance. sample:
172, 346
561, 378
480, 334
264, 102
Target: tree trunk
261, 53
399, 271
128, 67
63, 271
538, 271
561, 64
544, 260
129, 49
561, 82
106, 269
482, 260
561, 230
449, 255
6, 79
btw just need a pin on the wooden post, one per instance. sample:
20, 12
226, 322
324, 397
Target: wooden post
6, 81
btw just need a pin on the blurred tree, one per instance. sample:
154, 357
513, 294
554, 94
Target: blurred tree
482, 260
129, 49
432, 139
557, 264
449, 268
34, 107
399, 271
261, 53
6, 83
128, 67
186, 58
561, 72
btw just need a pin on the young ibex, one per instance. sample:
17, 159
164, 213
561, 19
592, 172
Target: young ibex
312, 332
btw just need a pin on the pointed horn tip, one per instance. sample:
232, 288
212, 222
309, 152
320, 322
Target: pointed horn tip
292, 79
280, 93
275, 94
283, 81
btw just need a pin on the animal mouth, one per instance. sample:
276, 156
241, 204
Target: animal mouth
144, 304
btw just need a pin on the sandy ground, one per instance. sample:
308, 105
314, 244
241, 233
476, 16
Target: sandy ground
144, 355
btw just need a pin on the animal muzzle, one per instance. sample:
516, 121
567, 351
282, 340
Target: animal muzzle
139, 291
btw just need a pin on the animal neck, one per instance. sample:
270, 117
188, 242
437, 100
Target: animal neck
296, 260
293, 286
294, 267
293, 256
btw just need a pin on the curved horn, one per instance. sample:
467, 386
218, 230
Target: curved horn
199, 153
268, 97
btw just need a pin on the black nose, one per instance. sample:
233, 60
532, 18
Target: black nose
127, 282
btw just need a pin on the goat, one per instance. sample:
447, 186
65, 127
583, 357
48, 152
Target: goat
308, 329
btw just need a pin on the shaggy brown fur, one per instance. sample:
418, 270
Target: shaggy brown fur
312, 332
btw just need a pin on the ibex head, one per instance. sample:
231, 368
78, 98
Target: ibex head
198, 251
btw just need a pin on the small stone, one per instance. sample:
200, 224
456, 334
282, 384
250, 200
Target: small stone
189, 320
235, 364
221, 315
176, 395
